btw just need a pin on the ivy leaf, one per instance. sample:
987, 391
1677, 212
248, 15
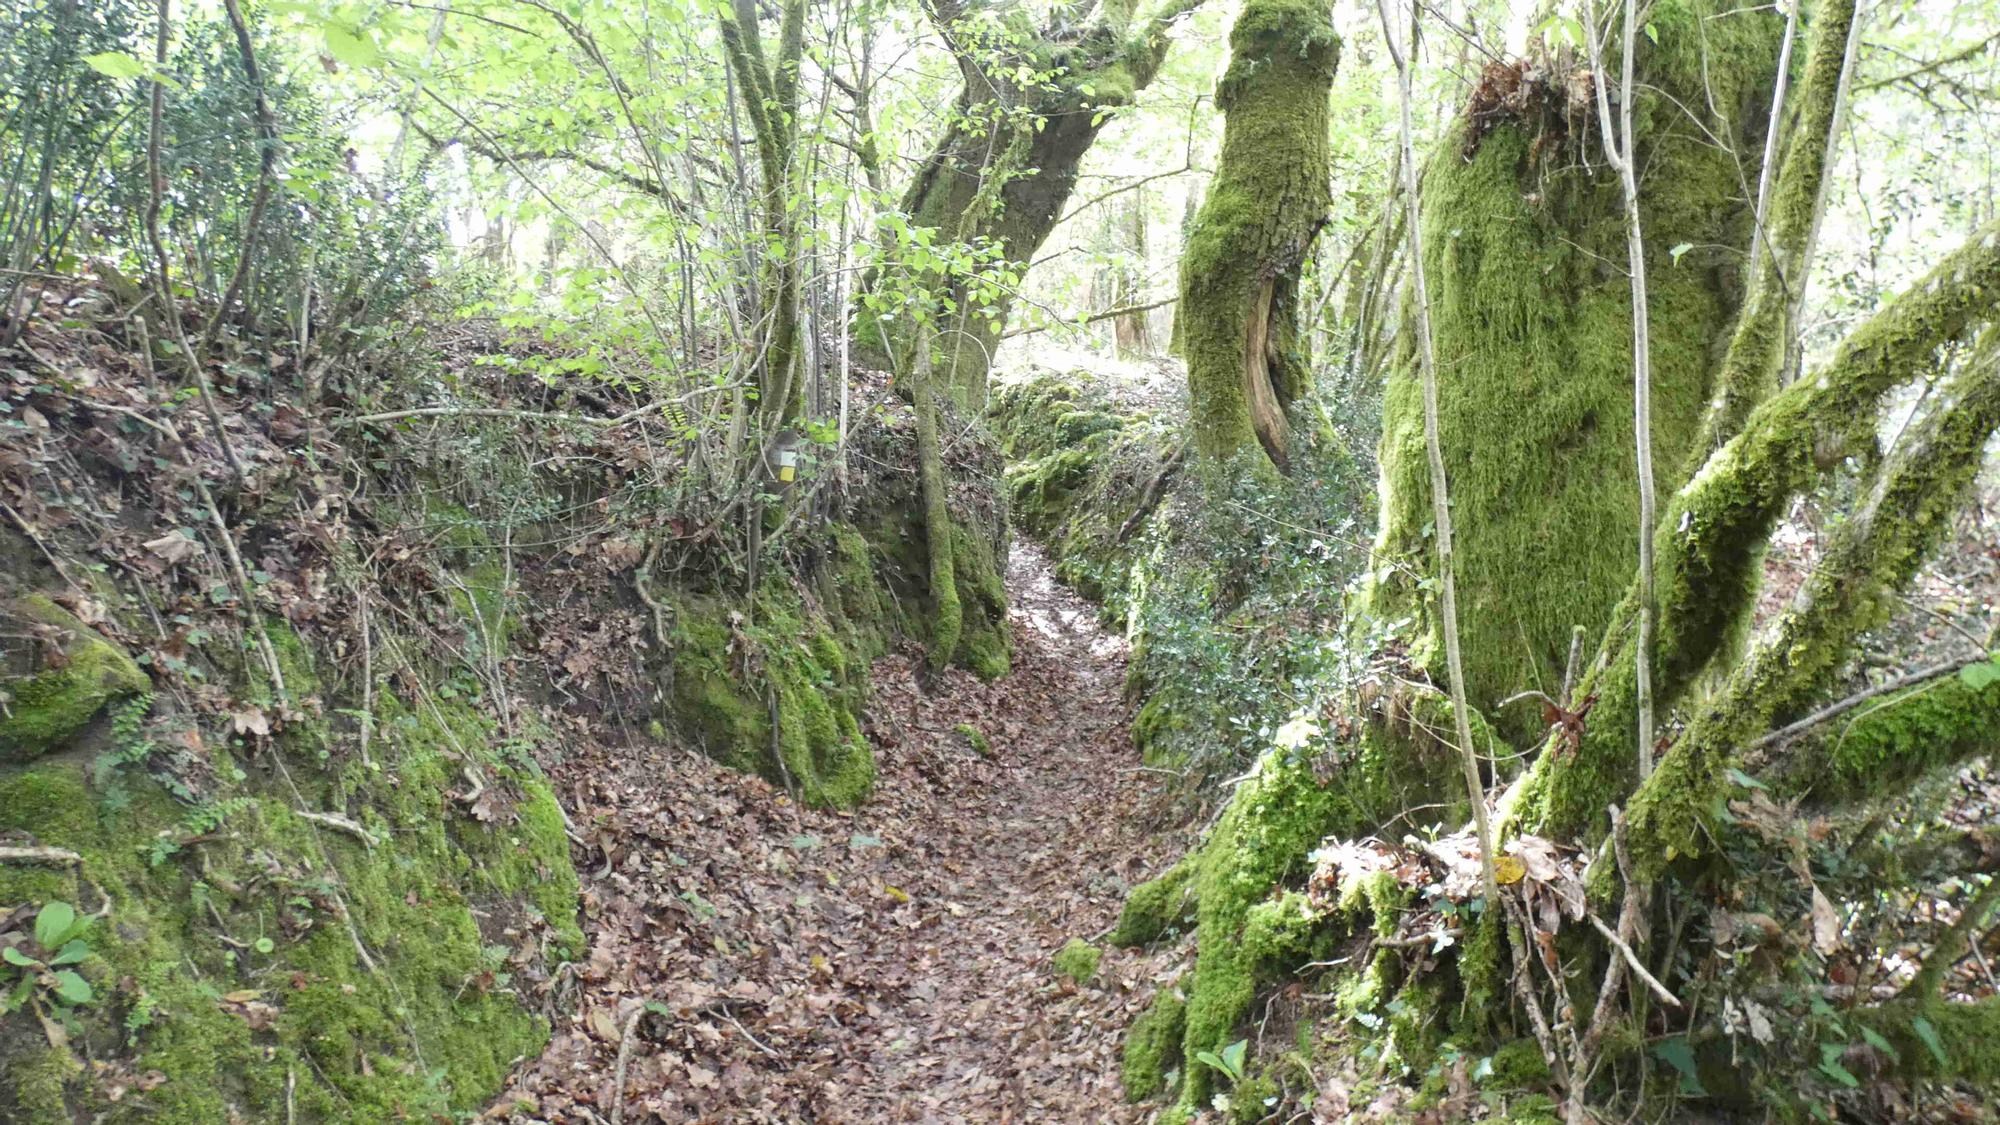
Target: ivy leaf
1981, 676
1876, 1041
1745, 780
1829, 1065
1676, 1053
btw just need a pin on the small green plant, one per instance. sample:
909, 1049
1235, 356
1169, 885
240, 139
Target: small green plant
1229, 1062
130, 748
39, 965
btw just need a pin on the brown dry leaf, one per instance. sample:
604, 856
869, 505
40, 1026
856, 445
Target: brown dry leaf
603, 1026
1825, 924
175, 546
250, 720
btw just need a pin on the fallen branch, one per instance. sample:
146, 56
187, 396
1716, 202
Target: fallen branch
15, 854
625, 1038
1155, 490
1632, 959
339, 823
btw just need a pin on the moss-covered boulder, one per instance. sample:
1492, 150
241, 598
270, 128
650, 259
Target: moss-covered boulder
59, 675
777, 692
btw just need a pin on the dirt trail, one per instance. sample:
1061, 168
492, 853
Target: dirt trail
889, 965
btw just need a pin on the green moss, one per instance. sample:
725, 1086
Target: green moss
1518, 1065
1272, 822
1867, 560
1416, 1022
1898, 740
1077, 960
1239, 270
1968, 1035
734, 678
1157, 907
985, 643
1153, 1046
276, 961
46, 708
975, 739
36, 1078
1532, 328
1377, 897
1247, 1098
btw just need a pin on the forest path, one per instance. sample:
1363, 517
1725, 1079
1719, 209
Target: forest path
892, 964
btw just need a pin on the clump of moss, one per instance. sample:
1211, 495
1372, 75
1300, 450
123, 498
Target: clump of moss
1153, 1046
50, 705
1157, 906
276, 962
1518, 1065
1077, 960
975, 738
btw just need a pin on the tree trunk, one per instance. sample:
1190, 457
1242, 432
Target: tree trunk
1004, 169
1240, 270
1130, 337
1525, 245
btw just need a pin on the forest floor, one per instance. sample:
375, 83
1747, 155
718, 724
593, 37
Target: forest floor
754, 961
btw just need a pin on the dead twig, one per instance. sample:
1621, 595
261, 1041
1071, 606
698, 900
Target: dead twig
339, 823
15, 854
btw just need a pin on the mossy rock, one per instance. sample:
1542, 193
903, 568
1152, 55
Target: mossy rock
54, 692
1156, 907
975, 738
779, 693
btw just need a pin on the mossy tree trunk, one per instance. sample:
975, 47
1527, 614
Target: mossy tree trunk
947, 615
769, 89
1533, 333
1532, 318
1004, 168
1239, 273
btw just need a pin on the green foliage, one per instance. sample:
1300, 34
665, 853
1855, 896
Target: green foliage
41, 971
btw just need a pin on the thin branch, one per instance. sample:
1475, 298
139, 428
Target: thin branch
267, 169
1440, 495
1836, 710
1093, 318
